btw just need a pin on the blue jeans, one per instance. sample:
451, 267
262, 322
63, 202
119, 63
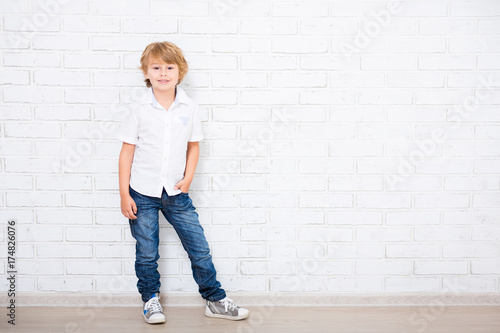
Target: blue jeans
180, 213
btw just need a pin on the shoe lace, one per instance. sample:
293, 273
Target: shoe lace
228, 304
154, 305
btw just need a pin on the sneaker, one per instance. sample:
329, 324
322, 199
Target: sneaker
152, 310
225, 309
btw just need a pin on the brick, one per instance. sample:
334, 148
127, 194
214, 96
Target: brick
92, 96
239, 183
354, 218
355, 148
208, 26
122, 43
273, 63
471, 283
61, 78
325, 234
64, 250
35, 233
14, 77
357, 80
388, 63
330, 62
378, 234
386, 267
327, 97
16, 147
107, 61
275, 166
240, 216
475, 8
294, 183
63, 216
100, 267
296, 8
266, 97
321, 26
476, 183
219, 62
163, 25
330, 166
417, 45
456, 200
31, 165
264, 26
32, 94
103, 200
73, 284
450, 26
412, 218
267, 234
434, 233
33, 199
486, 233
412, 250
93, 234
63, 182
67, 43
296, 217
298, 80
412, 284
488, 266
354, 284
62, 113
16, 182
385, 97
471, 217
240, 80
267, 200
255, 250
215, 97
41, 267
445, 62
472, 250
240, 44
92, 24
300, 45
489, 200
129, 7
264, 133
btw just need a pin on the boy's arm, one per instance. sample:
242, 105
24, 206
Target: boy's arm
128, 207
192, 155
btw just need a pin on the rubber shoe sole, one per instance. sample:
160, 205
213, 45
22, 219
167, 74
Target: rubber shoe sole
209, 313
157, 320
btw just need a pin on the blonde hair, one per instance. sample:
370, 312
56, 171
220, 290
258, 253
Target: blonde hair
168, 53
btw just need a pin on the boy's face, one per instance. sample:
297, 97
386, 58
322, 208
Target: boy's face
163, 76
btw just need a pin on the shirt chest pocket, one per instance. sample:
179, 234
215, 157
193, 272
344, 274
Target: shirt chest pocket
181, 120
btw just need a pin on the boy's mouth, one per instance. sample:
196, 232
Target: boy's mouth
163, 81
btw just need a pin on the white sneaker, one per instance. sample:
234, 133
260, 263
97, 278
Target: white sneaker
225, 309
152, 310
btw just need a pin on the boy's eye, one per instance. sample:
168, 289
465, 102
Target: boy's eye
155, 67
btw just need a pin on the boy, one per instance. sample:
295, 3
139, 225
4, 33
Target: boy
156, 166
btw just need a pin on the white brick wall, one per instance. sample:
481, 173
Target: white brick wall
321, 170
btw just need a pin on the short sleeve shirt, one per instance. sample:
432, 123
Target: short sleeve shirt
160, 137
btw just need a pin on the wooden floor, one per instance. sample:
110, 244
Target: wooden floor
263, 319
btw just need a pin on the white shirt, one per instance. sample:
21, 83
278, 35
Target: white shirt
160, 137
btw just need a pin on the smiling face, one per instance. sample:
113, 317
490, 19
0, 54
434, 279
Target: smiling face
163, 76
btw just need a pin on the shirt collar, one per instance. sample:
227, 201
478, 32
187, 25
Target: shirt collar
180, 97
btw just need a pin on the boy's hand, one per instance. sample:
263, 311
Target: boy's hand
183, 185
129, 209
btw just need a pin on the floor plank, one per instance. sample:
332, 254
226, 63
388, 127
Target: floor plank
263, 319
